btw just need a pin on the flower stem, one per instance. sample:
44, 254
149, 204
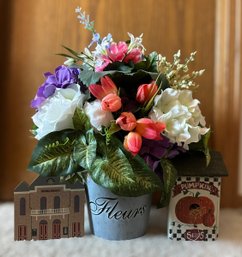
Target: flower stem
148, 106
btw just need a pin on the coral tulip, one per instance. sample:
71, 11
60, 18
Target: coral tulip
149, 129
133, 142
145, 92
107, 87
126, 121
111, 102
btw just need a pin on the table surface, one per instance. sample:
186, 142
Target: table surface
154, 244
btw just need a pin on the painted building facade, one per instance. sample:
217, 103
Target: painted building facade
48, 209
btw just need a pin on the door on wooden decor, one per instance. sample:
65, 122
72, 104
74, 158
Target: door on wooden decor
22, 232
29, 44
56, 229
76, 229
43, 230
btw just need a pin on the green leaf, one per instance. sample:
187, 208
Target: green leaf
153, 57
85, 149
52, 155
89, 76
169, 179
202, 146
112, 170
79, 176
146, 181
149, 64
119, 66
113, 128
80, 120
71, 51
206, 150
65, 55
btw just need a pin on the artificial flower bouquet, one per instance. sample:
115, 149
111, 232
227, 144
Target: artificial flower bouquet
118, 115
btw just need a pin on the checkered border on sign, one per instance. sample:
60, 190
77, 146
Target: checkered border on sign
212, 236
215, 180
176, 233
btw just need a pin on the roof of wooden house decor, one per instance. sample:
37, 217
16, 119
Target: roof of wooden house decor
194, 164
22, 187
41, 181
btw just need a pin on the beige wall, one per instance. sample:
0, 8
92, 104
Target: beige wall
33, 32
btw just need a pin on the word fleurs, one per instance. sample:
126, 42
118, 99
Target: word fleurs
110, 206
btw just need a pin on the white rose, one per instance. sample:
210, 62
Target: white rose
96, 115
56, 112
181, 114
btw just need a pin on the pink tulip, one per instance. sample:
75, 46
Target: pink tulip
145, 92
104, 63
117, 51
135, 55
126, 121
107, 87
133, 142
149, 129
111, 102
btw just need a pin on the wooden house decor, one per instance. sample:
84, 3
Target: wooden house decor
194, 205
48, 209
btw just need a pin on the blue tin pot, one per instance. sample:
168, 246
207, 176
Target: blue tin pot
116, 217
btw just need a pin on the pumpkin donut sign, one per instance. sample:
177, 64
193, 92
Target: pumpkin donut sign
195, 210
195, 200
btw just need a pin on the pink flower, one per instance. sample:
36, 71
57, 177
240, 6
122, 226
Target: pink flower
145, 92
104, 62
117, 51
126, 121
111, 102
107, 87
149, 129
133, 142
135, 55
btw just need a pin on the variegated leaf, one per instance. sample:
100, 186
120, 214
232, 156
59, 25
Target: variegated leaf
85, 149
52, 155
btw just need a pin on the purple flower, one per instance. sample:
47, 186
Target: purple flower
153, 151
95, 39
63, 77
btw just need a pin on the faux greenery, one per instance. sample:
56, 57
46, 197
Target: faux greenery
117, 115
81, 151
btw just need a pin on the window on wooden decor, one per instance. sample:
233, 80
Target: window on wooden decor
43, 203
22, 206
76, 203
57, 202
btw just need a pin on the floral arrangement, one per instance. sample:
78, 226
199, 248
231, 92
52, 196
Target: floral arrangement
118, 115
